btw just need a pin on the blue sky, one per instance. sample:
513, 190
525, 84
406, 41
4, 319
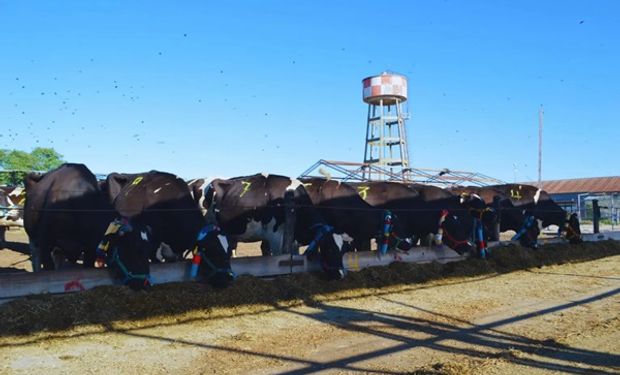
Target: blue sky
230, 88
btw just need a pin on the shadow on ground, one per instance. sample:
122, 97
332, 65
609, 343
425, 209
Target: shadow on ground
478, 342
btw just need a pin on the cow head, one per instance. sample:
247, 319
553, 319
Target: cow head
391, 236
212, 255
528, 234
126, 248
572, 229
331, 247
479, 210
454, 233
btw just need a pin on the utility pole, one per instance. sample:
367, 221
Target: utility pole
541, 112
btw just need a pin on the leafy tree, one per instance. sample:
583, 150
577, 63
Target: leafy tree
45, 159
17, 163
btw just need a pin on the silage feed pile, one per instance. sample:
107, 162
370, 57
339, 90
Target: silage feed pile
179, 302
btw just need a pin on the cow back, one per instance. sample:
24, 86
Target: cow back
159, 200
65, 206
529, 199
235, 202
342, 207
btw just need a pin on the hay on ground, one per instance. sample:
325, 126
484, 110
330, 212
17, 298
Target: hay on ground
118, 304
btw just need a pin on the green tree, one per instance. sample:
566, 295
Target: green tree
17, 163
45, 159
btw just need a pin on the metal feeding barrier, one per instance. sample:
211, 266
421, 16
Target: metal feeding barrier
18, 285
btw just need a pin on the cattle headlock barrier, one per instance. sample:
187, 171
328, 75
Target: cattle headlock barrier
17, 285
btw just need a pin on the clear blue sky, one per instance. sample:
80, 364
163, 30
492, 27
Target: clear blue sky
203, 88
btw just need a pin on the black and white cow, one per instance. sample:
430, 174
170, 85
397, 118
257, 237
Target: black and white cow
197, 188
65, 216
528, 200
251, 209
11, 209
526, 209
156, 207
420, 211
352, 217
12, 200
470, 209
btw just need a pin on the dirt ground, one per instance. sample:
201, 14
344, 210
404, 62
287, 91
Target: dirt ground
555, 319
14, 254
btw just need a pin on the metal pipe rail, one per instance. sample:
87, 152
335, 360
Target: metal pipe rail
18, 285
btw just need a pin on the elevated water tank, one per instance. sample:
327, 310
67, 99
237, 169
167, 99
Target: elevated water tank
389, 87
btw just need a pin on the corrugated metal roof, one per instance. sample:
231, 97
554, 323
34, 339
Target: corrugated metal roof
582, 185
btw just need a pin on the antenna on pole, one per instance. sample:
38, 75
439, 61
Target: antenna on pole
541, 113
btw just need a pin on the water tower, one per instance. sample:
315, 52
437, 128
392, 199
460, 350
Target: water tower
386, 137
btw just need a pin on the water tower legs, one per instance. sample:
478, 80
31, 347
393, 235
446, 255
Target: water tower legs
386, 139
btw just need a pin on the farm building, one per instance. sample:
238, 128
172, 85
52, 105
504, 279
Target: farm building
577, 194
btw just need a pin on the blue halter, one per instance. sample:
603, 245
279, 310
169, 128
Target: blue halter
527, 224
124, 226
128, 275
322, 230
480, 239
200, 256
387, 232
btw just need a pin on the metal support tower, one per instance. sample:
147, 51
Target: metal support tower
386, 137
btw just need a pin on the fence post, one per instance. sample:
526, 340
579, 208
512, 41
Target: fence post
596, 215
498, 219
289, 225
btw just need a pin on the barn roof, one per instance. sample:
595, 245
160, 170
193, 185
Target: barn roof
582, 185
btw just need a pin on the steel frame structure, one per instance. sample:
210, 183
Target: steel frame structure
360, 172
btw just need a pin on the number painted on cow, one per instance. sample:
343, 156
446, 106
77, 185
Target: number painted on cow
246, 188
363, 191
137, 180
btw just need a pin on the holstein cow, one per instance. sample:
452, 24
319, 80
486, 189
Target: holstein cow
12, 200
65, 216
197, 188
471, 211
420, 212
528, 201
526, 209
251, 209
351, 216
156, 207
492, 199
11, 209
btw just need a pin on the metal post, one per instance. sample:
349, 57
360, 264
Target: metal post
289, 225
613, 214
382, 136
367, 145
540, 134
498, 220
389, 143
581, 215
596, 215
